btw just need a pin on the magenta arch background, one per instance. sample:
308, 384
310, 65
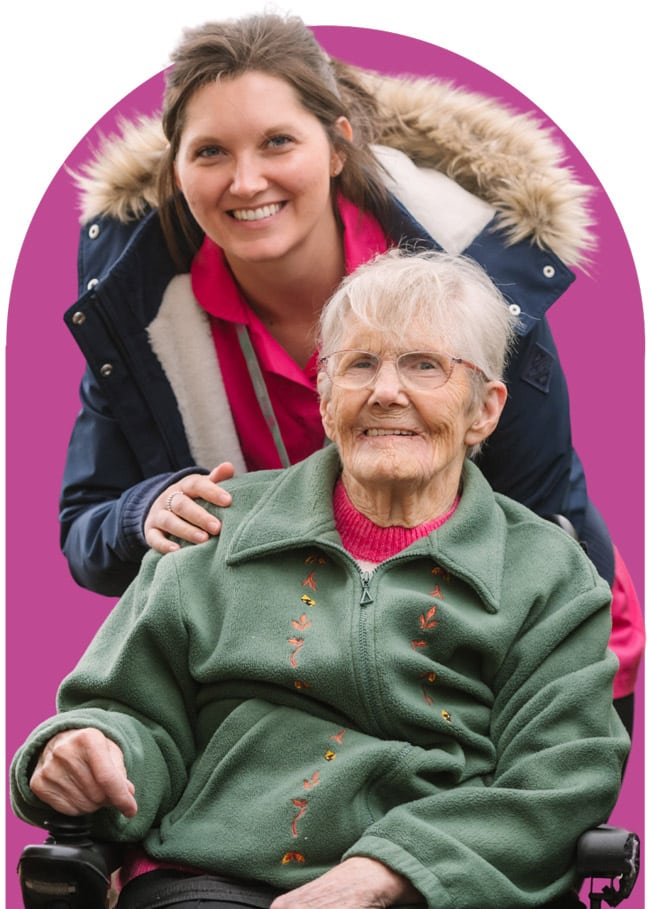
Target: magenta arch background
598, 327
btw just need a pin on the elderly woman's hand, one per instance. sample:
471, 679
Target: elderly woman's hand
80, 771
175, 512
357, 883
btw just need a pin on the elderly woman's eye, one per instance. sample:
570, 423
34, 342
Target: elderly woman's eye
355, 361
423, 363
363, 363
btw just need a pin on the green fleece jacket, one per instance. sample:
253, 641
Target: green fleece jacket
449, 714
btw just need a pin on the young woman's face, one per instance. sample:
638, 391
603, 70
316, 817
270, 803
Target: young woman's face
255, 168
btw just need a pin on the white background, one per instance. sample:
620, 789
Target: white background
585, 64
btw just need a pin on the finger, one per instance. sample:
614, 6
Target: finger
205, 487
189, 521
158, 541
112, 777
224, 471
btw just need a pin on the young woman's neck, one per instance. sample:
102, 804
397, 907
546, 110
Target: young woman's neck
289, 294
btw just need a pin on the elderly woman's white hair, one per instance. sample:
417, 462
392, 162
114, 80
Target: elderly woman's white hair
468, 315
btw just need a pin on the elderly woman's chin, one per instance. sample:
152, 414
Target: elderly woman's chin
398, 467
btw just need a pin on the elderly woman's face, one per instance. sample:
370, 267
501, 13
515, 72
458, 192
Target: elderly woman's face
393, 432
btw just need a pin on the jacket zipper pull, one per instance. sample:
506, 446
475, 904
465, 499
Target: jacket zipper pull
366, 597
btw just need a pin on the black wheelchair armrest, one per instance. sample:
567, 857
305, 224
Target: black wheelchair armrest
69, 870
613, 853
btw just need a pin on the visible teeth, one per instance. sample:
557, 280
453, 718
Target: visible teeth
256, 214
389, 432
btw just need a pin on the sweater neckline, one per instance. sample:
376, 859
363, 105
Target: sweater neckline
367, 541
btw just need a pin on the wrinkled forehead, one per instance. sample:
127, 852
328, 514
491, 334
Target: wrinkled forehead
401, 335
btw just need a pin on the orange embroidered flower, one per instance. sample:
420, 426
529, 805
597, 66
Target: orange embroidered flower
301, 623
426, 620
293, 857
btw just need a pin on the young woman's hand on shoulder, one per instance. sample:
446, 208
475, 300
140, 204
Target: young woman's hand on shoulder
176, 513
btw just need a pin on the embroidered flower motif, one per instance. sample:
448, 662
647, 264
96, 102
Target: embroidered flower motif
428, 678
293, 857
313, 780
426, 619
427, 622
297, 644
301, 805
302, 623
307, 600
302, 802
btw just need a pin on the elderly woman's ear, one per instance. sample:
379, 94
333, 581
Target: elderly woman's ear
324, 393
487, 414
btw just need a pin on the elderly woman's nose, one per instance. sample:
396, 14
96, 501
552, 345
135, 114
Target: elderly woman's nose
388, 385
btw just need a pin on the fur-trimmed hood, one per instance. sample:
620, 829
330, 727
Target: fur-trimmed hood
505, 158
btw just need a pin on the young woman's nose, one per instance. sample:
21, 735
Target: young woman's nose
247, 176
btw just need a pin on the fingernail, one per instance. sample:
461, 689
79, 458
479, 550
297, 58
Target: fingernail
214, 527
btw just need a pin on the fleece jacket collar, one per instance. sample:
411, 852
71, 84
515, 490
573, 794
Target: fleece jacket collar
295, 509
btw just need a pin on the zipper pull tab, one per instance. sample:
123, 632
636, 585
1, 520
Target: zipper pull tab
366, 597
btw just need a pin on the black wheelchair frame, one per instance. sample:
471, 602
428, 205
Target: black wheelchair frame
72, 871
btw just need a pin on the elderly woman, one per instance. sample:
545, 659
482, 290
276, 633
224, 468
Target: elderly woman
382, 683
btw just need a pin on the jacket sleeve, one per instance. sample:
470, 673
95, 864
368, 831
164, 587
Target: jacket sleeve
105, 498
134, 684
559, 748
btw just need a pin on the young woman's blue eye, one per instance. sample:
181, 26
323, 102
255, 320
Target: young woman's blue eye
279, 141
209, 151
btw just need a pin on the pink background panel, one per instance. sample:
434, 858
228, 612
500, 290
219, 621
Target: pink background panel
598, 326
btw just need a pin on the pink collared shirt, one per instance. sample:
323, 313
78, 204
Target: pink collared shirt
292, 390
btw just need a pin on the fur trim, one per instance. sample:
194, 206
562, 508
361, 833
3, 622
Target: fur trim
505, 158
120, 179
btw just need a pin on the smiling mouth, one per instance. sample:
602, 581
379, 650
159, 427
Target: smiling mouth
256, 214
389, 432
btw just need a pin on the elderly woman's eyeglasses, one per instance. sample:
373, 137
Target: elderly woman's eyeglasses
422, 369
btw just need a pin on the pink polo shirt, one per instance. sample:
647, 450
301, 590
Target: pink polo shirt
292, 390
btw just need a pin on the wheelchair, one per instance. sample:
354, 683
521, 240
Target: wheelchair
71, 871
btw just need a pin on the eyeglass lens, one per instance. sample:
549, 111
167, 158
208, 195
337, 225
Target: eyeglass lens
358, 368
